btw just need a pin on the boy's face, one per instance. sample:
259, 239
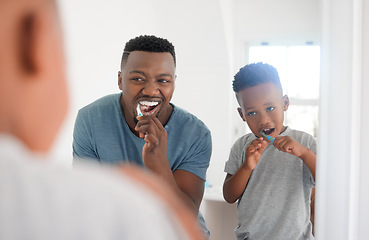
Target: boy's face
262, 108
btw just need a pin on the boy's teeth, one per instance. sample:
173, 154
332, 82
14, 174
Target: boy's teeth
148, 103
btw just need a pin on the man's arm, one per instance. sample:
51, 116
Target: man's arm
186, 217
190, 185
186, 185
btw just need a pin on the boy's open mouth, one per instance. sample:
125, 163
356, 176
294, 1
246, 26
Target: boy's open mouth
147, 108
269, 131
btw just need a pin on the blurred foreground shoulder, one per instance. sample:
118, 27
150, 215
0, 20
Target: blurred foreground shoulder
48, 201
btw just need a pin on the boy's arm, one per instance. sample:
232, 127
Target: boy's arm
312, 208
309, 159
234, 185
291, 146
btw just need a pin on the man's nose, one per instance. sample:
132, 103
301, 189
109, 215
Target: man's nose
150, 89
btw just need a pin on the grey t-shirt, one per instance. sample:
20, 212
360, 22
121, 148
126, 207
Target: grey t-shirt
276, 202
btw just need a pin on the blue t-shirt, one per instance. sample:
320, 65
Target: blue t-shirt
102, 133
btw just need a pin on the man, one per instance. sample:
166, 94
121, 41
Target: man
38, 199
140, 124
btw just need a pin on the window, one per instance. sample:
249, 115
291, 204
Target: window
299, 71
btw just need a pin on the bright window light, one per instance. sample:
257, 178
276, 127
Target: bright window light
299, 71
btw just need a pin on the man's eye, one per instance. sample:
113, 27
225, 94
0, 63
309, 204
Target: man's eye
163, 81
270, 109
138, 79
251, 113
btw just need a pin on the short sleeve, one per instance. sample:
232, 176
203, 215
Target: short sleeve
236, 156
197, 162
83, 146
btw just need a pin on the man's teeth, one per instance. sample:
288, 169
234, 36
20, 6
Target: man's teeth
149, 103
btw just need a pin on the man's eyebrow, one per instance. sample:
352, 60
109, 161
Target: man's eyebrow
136, 71
165, 75
160, 75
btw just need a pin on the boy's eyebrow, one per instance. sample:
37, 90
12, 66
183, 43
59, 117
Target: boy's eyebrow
268, 103
265, 104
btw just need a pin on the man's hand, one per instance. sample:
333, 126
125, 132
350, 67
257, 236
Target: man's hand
154, 152
186, 185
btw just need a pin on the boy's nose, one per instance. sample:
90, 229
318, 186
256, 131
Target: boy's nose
264, 118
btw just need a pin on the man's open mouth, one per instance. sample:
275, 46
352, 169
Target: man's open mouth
147, 108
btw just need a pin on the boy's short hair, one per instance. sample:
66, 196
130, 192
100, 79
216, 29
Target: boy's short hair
255, 74
148, 43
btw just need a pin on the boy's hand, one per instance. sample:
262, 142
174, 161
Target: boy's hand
289, 145
253, 153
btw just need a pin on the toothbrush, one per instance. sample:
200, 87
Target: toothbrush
267, 137
139, 113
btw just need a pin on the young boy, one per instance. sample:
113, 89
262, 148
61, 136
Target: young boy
271, 179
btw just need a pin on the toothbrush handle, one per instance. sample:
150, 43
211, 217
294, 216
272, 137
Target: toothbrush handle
271, 139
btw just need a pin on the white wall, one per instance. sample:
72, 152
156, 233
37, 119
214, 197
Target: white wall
249, 22
276, 22
342, 171
95, 35
210, 38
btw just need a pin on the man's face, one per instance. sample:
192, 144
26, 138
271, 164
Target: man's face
262, 107
147, 81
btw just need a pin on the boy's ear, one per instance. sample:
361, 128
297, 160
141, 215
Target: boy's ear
286, 102
241, 114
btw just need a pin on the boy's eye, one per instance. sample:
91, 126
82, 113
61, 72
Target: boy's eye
251, 113
270, 109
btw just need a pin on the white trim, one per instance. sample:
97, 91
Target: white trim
355, 120
340, 180
304, 102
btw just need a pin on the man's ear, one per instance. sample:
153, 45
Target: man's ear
28, 33
241, 114
174, 83
120, 80
286, 102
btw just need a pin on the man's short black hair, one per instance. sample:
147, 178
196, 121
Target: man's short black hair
255, 74
148, 43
